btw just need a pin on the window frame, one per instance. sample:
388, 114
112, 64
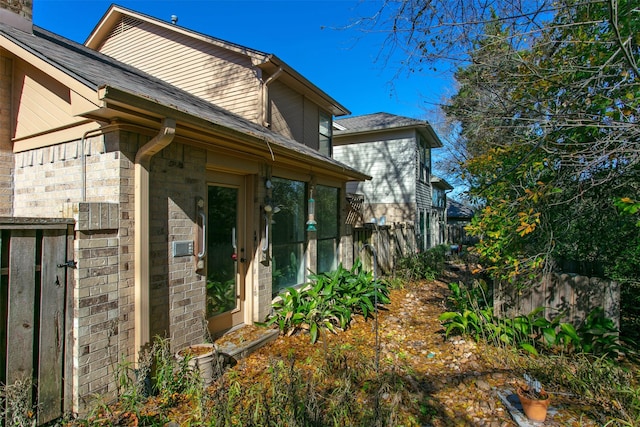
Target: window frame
320, 217
328, 137
300, 244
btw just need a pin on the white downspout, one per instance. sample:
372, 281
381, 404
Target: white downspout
141, 236
265, 97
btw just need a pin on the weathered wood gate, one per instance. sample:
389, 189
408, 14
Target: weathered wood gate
35, 307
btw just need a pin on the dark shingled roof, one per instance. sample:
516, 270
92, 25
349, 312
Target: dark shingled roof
376, 121
458, 210
381, 122
96, 70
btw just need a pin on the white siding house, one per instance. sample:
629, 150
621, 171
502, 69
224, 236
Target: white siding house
396, 152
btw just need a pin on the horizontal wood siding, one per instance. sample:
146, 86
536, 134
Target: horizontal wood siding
287, 111
311, 124
45, 104
391, 164
220, 76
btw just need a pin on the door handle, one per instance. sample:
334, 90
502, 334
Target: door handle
234, 243
203, 248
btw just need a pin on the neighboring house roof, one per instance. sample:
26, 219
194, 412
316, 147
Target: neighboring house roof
457, 210
440, 183
117, 84
120, 16
379, 122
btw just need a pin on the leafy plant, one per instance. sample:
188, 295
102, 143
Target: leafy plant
424, 265
531, 332
173, 378
132, 381
599, 335
221, 296
329, 301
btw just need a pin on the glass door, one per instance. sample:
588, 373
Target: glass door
225, 253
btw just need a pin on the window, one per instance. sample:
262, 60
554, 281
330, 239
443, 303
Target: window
439, 198
421, 231
328, 219
288, 233
425, 161
325, 135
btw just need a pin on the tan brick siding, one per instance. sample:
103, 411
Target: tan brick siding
47, 177
48, 183
177, 294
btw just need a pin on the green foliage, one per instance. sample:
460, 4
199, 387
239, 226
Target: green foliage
530, 116
599, 335
132, 381
424, 265
296, 397
531, 332
173, 378
329, 301
221, 296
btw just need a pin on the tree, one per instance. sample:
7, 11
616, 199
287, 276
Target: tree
547, 109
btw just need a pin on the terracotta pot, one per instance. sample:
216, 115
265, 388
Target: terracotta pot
202, 357
534, 409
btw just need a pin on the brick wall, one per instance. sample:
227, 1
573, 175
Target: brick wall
48, 183
47, 177
6, 153
178, 176
261, 266
104, 246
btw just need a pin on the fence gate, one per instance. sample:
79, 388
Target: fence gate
34, 307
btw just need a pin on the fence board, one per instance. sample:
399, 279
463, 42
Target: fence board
53, 285
20, 324
391, 242
572, 296
36, 309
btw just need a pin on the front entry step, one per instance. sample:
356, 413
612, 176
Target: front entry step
241, 342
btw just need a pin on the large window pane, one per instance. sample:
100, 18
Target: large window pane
327, 217
288, 233
221, 267
325, 134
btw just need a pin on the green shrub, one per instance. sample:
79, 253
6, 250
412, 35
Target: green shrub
329, 301
173, 378
531, 332
424, 265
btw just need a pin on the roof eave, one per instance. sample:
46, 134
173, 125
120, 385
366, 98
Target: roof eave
153, 112
115, 12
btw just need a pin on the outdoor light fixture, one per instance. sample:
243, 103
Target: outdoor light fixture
311, 224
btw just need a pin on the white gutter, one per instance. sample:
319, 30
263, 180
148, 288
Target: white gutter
141, 236
265, 96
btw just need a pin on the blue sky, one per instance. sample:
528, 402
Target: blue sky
316, 38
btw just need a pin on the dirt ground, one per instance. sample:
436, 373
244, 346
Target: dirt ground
430, 380
447, 382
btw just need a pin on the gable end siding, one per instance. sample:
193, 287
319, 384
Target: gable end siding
286, 111
390, 163
217, 75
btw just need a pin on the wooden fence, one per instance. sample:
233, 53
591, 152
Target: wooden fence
35, 308
391, 242
572, 295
